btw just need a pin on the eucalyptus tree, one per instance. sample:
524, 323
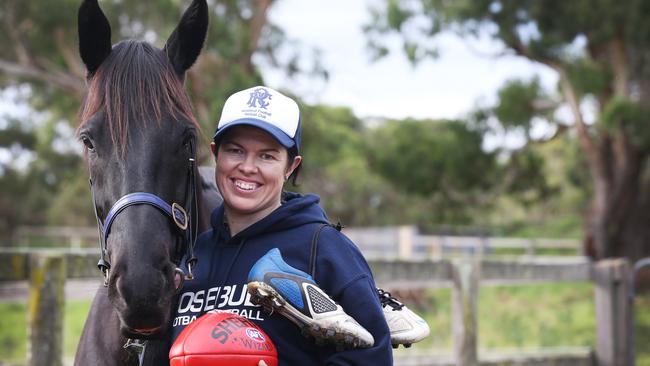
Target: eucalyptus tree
600, 52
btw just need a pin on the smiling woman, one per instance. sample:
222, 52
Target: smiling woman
259, 225
251, 170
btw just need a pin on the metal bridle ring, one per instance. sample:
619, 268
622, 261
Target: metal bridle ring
181, 274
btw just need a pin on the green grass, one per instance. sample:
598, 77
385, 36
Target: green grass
13, 329
509, 317
532, 316
75, 317
642, 329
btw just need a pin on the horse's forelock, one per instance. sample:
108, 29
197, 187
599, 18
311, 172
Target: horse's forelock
134, 84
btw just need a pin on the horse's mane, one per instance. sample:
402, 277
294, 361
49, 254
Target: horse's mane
134, 84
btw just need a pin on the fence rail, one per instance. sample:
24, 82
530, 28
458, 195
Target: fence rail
403, 242
75, 237
464, 276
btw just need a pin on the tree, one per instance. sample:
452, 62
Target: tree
335, 166
440, 161
40, 57
600, 52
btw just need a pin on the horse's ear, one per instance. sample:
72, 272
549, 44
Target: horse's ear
185, 43
94, 35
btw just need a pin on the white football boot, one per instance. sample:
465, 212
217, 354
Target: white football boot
405, 326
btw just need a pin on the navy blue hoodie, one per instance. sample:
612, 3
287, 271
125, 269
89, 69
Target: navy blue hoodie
341, 271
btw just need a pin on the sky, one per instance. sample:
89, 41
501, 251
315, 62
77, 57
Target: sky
448, 87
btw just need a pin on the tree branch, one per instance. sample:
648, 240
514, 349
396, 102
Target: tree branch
70, 55
560, 131
57, 78
619, 65
26, 66
12, 30
256, 26
571, 96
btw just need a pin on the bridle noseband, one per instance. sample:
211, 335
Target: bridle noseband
187, 225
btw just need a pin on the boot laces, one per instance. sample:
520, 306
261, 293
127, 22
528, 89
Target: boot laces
388, 300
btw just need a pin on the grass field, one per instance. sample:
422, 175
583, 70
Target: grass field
13, 329
529, 317
533, 316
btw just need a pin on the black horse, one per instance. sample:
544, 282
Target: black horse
140, 136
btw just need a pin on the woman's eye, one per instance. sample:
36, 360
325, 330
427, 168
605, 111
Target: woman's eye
87, 143
268, 157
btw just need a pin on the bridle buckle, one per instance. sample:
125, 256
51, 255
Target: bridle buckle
181, 222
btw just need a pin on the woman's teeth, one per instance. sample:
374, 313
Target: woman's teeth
245, 185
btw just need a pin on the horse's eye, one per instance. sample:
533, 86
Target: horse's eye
89, 144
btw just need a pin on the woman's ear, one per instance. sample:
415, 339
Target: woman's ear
296, 162
213, 148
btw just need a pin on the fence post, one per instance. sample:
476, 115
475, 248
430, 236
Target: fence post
530, 248
405, 242
612, 312
45, 311
465, 277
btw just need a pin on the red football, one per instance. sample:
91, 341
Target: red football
222, 338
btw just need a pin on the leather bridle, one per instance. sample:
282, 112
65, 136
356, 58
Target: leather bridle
185, 220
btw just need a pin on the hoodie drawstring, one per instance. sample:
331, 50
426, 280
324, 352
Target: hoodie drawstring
232, 262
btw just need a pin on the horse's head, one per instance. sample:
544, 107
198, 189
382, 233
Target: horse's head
140, 133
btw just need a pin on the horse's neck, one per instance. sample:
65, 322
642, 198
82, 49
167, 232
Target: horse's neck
207, 195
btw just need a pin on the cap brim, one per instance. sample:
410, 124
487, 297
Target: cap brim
277, 133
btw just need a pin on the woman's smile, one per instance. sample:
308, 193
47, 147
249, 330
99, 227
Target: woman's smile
252, 167
245, 186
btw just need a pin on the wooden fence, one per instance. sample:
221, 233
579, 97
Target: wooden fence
403, 242
75, 237
406, 243
46, 271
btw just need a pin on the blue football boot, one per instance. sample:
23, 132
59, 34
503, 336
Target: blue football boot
278, 287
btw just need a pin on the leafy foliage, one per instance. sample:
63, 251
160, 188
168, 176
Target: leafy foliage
394, 172
599, 50
516, 106
441, 161
41, 57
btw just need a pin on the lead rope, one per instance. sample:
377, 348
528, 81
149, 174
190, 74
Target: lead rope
138, 346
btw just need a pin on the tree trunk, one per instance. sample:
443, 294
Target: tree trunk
618, 222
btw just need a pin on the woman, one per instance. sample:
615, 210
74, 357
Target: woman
266, 234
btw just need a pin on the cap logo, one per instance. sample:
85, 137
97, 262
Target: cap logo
258, 98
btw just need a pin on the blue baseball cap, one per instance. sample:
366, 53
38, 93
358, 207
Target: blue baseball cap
266, 109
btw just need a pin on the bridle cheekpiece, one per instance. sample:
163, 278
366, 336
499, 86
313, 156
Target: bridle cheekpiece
187, 225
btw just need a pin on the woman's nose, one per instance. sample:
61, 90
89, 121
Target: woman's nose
248, 164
